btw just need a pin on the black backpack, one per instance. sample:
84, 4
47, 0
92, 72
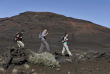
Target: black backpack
15, 39
62, 40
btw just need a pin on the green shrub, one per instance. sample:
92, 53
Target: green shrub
43, 59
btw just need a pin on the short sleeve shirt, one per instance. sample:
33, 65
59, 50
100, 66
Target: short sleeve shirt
20, 35
43, 33
65, 39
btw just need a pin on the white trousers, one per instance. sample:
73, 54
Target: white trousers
65, 47
20, 44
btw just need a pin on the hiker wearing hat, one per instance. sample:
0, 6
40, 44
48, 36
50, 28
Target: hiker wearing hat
65, 46
42, 36
18, 39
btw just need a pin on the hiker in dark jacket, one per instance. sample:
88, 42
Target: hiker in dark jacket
19, 38
42, 36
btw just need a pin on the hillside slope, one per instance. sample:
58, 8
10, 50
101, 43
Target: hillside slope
81, 33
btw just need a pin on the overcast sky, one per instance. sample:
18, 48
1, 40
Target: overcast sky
96, 11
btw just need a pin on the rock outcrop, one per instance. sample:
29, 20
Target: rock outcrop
14, 56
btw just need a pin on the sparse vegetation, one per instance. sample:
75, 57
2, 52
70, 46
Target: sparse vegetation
43, 59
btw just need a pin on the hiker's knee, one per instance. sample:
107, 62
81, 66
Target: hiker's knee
22, 45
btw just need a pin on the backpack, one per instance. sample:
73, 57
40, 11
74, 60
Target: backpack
62, 40
40, 35
15, 39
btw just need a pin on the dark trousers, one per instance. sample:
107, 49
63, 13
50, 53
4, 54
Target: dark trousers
44, 43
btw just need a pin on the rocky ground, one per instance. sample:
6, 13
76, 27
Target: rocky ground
82, 62
82, 67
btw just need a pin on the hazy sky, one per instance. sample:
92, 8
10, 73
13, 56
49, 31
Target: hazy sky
96, 11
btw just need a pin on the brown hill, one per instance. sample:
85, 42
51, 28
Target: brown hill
81, 33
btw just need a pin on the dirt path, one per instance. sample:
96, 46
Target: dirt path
83, 67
